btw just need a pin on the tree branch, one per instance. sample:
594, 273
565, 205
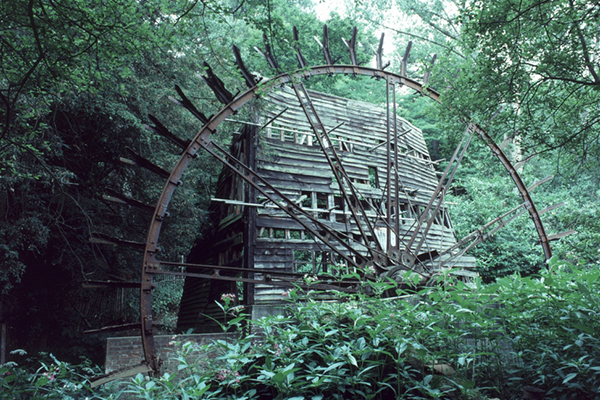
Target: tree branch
417, 37
571, 137
556, 78
435, 26
7, 116
186, 12
238, 7
36, 34
586, 56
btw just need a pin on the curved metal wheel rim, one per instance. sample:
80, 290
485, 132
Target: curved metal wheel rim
150, 265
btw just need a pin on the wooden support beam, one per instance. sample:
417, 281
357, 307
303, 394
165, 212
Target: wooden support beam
114, 328
301, 60
268, 53
250, 79
188, 105
523, 162
145, 163
557, 236
538, 183
427, 75
550, 208
216, 85
351, 45
239, 203
110, 284
379, 54
140, 369
101, 238
325, 46
164, 132
404, 62
116, 197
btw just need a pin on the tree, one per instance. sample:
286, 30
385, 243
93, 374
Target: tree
536, 60
534, 64
75, 77
77, 80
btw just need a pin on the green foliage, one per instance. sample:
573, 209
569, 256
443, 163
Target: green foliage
53, 379
76, 81
454, 340
503, 55
501, 58
77, 78
553, 328
514, 247
165, 302
442, 343
550, 95
482, 193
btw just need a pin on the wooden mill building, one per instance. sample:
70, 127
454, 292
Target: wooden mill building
251, 231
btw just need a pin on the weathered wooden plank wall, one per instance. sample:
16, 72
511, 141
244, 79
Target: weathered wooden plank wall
289, 157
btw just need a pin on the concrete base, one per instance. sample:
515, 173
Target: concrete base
127, 352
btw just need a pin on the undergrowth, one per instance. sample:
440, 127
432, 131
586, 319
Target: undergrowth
453, 340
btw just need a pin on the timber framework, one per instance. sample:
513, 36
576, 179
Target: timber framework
357, 217
315, 185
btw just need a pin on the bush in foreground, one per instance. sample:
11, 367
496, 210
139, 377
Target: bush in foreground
450, 341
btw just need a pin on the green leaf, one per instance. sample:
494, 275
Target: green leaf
569, 377
281, 376
352, 360
427, 379
468, 384
235, 320
139, 379
364, 370
334, 366
361, 343
400, 349
41, 381
202, 388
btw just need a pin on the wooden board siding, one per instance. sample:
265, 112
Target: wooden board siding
250, 230
223, 244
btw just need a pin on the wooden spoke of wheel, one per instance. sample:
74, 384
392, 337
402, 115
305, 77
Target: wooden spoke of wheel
203, 139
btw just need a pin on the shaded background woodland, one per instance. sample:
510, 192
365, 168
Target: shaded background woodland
78, 78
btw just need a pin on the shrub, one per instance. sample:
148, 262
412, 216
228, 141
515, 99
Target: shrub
443, 342
350, 349
53, 379
454, 340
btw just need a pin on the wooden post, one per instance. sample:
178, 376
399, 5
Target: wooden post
3, 344
250, 144
2, 340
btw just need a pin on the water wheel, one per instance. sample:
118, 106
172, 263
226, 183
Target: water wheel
390, 216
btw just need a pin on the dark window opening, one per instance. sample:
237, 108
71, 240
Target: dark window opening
338, 203
322, 205
366, 205
306, 200
373, 177
279, 233
304, 261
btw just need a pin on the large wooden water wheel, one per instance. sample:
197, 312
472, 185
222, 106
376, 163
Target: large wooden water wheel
360, 191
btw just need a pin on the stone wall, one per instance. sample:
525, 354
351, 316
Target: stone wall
127, 352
